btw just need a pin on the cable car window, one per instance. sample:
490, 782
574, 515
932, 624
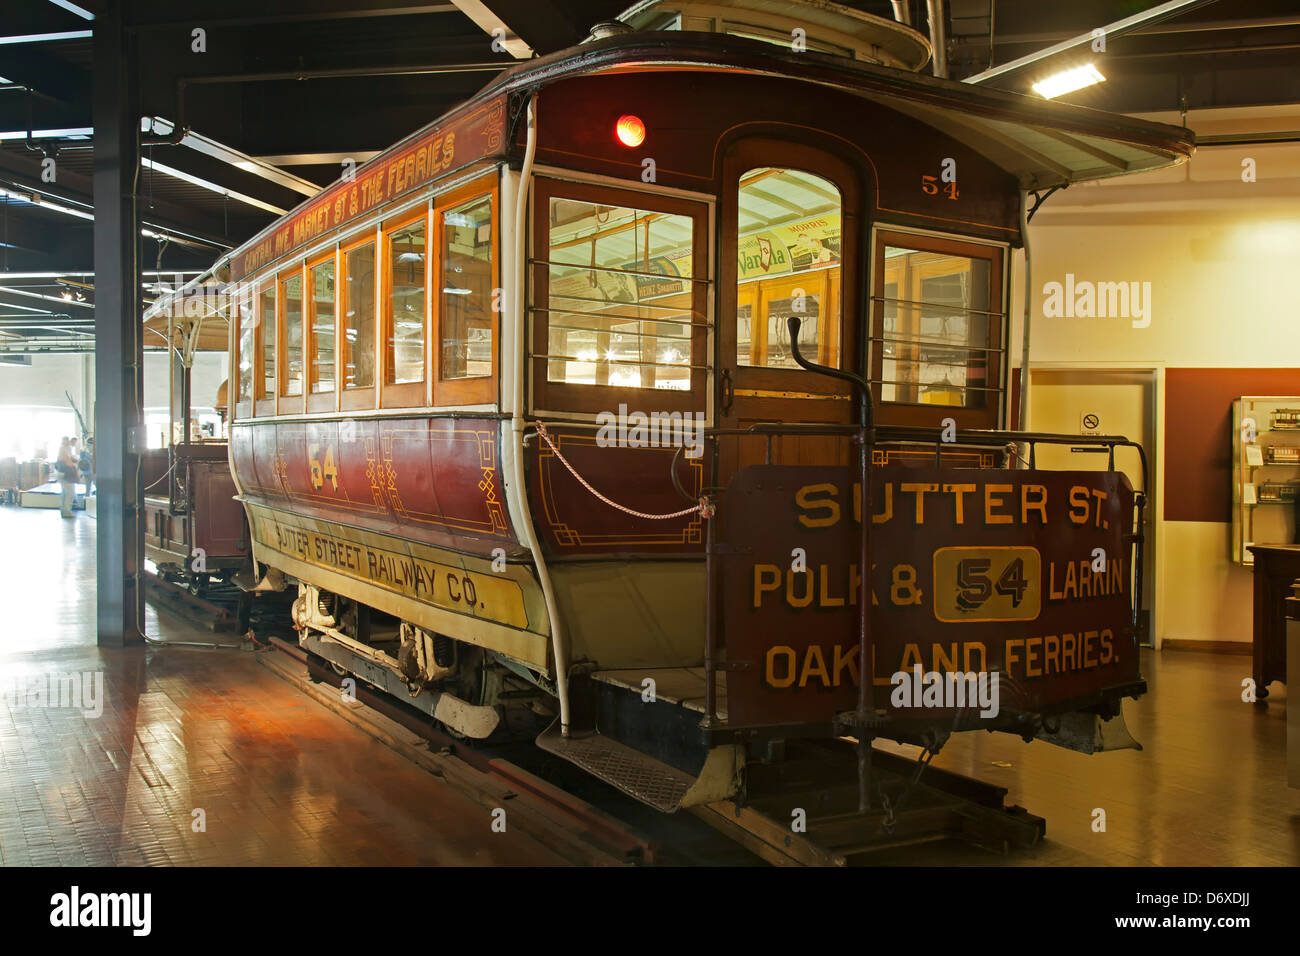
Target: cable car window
247, 330
266, 334
292, 291
359, 316
467, 284
938, 324
405, 318
788, 265
620, 296
322, 326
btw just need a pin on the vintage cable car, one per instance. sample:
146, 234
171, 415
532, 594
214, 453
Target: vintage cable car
574, 404
195, 530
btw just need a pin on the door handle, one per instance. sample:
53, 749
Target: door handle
728, 391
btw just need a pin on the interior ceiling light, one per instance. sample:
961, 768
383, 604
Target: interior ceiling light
1067, 81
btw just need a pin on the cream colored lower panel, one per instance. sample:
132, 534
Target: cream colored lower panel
633, 613
1207, 597
444, 591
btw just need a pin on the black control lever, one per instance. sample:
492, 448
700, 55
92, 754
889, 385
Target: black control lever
865, 718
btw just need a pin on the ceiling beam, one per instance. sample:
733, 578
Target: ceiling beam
49, 76
1161, 11
503, 37
149, 14
75, 188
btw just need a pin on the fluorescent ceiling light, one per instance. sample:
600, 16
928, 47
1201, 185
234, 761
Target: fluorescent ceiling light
6, 276
228, 154
75, 132
318, 159
52, 298
73, 8
205, 184
25, 308
171, 235
34, 199
1067, 81
45, 37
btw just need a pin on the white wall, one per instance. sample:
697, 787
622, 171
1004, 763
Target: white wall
32, 400
1223, 260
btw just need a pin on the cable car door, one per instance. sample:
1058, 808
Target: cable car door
791, 245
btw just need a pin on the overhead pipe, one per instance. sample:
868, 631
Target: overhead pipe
1024, 351
903, 11
1203, 26
1118, 27
30, 143
179, 130
938, 36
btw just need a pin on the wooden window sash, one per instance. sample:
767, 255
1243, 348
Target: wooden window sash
483, 389
986, 415
402, 394
288, 404
264, 404
319, 401
364, 397
592, 399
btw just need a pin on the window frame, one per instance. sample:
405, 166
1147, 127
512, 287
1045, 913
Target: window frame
319, 401
362, 397
403, 394
915, 413
241, 409
483, 389
289, 404
593, 399
264, 405
821, 398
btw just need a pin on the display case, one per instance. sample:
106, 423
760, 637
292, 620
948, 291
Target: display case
1265, 472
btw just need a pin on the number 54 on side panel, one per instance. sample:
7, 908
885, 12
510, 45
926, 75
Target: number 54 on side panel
323, 472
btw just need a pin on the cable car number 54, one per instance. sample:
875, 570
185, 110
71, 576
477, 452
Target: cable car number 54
322, 471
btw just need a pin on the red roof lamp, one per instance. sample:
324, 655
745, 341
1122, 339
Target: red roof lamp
630, 130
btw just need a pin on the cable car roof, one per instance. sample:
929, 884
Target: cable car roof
1040, 142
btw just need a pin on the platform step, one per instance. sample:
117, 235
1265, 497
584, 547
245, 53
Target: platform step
649, 780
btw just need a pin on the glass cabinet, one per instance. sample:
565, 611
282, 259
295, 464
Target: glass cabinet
1265, 472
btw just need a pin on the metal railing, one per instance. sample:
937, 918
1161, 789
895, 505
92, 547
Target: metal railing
867, 435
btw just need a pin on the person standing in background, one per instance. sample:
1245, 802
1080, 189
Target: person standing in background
68, 474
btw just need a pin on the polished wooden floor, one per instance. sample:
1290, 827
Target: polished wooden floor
1207, 789
281, 780
284, 781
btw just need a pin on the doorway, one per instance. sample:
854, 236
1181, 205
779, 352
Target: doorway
791, 248
1103, 402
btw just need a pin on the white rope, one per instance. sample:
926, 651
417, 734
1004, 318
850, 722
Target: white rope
704, 507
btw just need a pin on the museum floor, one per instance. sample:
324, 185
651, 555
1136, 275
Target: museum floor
282, 781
